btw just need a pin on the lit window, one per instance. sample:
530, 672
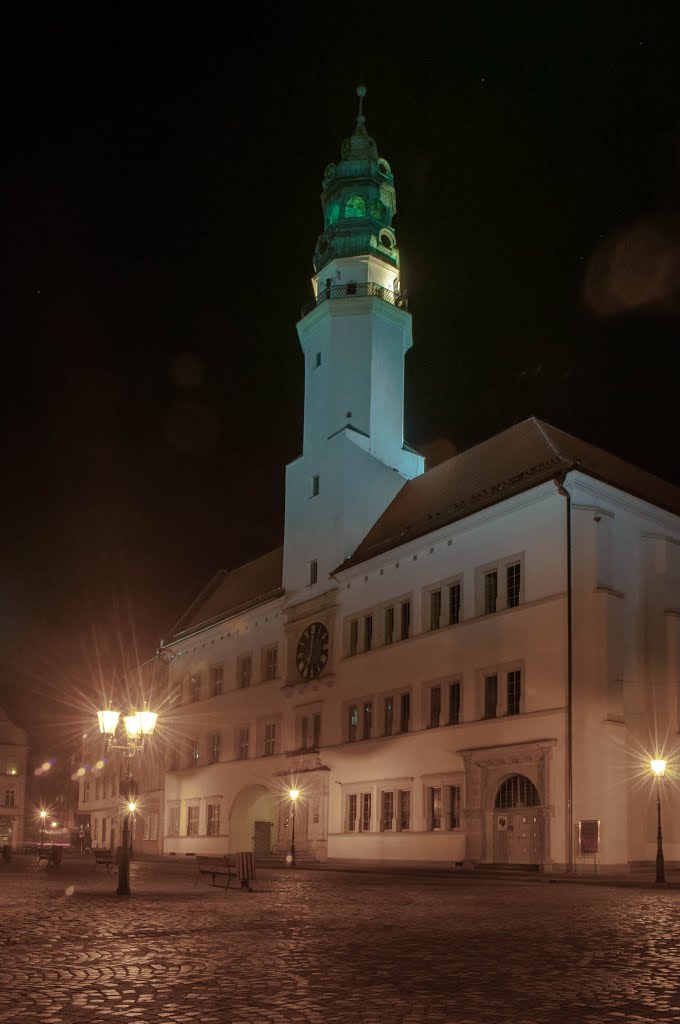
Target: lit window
355, 206
12, 766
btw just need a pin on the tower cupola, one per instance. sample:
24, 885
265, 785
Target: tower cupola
358, 202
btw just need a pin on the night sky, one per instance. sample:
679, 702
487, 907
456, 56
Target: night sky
160, 212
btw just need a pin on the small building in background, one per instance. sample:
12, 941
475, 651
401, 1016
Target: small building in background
13, 766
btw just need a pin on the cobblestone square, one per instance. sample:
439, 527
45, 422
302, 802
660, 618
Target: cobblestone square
323, 946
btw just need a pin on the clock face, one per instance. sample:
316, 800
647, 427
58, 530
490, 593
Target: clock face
312, 651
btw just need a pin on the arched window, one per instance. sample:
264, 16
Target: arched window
516, 791
355, 207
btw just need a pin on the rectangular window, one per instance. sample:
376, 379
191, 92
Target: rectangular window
173, 821
386, 811
195, 752
404, 712
97, 789
514, 691
217, 679
454, 806
454, 603
243, 743
86, 791
389, 625
352, 812
195, 688
96, 830
271, 662
435, 609
405, 620
353, 636
10, 797
269, 739
353, 722
365, 812
317, 360
490, 591
213, 820
435, 706
12, 766
368, 632
315, 486
435, 806
404, 809
245, 669
454, 703
313, 572
513, 580
192, 820
490, 696
104, 831
215, 748
388, 715
368, 720
316, 731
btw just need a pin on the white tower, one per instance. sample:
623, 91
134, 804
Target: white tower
354, 339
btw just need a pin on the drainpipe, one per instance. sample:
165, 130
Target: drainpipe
559, 483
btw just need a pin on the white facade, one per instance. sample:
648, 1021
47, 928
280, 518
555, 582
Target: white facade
467, 666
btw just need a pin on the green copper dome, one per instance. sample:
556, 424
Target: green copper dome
358, 202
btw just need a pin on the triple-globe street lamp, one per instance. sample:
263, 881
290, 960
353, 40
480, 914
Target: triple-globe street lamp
658, 766
138, 725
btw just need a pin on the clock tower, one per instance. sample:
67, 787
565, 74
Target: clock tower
354, 337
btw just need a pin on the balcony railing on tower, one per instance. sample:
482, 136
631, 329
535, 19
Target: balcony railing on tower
356, 290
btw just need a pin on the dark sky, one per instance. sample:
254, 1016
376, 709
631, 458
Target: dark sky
160, 212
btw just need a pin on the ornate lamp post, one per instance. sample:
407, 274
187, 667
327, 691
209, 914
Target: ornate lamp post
658, 766
293, 794
138, 725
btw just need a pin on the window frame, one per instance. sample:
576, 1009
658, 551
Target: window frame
502, 672
501, 567
267, 651
242, 660
448, 784
217, 679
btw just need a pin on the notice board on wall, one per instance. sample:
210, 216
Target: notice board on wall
589, 837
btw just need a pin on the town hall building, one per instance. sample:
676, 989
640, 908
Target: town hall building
466, 665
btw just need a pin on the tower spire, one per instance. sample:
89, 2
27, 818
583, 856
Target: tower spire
361, 120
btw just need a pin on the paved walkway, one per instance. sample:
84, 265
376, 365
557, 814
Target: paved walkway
331, 948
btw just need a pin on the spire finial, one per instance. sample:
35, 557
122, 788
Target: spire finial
361, 92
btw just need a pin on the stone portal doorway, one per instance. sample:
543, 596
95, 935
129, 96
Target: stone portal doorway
518, 823
252, 810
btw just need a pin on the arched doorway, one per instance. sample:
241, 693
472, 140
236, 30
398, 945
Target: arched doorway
517, 822
253, 819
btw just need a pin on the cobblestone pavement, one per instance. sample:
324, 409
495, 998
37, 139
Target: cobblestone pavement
341, 948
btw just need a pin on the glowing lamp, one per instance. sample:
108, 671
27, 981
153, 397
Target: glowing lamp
147, 721
54, 824
132, 807
43, 815
108, 721
294, 794
133, 725
658, 766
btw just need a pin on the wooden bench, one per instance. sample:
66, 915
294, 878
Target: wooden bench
216, 867
105, 858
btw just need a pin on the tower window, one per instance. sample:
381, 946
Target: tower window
313, 572
315, 486
317, 360
355, 206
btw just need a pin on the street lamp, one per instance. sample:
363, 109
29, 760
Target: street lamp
138, 725
293, 794
43, 815
658, 766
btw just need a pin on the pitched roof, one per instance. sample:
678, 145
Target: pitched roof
528, 454
232, 591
